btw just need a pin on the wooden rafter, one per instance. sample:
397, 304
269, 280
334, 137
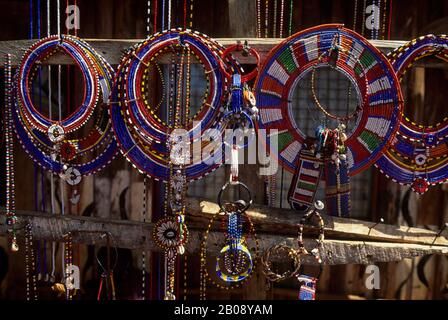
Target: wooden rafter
112, 49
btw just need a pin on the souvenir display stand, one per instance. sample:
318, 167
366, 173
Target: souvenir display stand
135, 94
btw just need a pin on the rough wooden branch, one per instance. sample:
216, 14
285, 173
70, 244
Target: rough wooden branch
396, 244
112, 49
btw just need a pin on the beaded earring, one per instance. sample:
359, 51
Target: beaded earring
229, 275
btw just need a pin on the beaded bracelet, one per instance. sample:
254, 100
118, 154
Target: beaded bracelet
305, 219
419, 154
246, 272
362, 63
267, 263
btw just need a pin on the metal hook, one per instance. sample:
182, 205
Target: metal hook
439, 233
370, 228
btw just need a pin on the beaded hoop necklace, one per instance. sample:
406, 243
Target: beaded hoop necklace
35, 54
418, 155
360, 62
141, 134
48, 141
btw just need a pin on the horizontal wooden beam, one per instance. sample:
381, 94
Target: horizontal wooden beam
284, 222
384, 243
112, 49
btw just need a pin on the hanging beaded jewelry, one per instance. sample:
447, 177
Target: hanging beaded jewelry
68, 254
258, 18
107, 275
287, 252
240, 109
47, 140
291, 11
284, 251
282, 12
141, 134
234, 263
218, 281
308, 283
236, 257
418, 155
170, 235
11, 218
30, 264
144, 271
360, 62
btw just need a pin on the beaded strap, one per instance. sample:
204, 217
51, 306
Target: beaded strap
11, 218
305, 219
337, 189
418, 155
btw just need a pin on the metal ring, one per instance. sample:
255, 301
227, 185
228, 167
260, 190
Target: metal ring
237, 183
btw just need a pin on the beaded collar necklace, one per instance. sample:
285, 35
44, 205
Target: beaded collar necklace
358, 60
141, 134
419, 155
48, 141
